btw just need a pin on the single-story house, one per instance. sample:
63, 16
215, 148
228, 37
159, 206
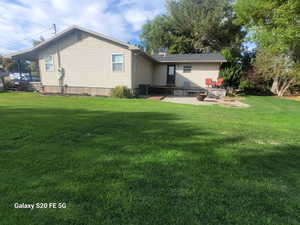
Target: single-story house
81, 61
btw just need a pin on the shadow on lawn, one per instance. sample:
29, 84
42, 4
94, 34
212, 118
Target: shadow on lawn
138, 168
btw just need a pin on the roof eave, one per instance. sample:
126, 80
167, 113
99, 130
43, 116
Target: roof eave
66, 31
24, 55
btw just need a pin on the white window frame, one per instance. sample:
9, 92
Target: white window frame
189, 70
112, 63
51, 63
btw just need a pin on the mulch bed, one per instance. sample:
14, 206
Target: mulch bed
156, 98
297, 98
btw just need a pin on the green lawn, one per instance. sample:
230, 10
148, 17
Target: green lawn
143, 162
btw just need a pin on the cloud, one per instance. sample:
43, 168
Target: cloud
24, 20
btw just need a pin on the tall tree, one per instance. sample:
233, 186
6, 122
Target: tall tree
275, 24
8, 64
280, 68
275, 27
194, 26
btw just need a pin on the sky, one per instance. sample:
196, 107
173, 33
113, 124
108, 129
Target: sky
24, 20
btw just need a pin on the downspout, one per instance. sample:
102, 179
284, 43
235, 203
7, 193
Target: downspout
135, 59
132, 69
60, 71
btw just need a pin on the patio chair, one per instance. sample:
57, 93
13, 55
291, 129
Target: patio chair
208, 82
219, 82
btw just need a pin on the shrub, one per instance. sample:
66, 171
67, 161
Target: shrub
245, 85
16, 86
8, 83
121, 92
231, 75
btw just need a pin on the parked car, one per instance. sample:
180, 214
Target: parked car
35, 79
20, 76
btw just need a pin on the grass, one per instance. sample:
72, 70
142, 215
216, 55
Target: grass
143, 162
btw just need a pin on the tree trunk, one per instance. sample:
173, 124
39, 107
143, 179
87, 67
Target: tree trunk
286, 85
275, 85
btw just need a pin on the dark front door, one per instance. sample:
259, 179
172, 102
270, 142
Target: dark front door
171, 75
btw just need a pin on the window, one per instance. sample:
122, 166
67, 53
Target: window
49, 64
187, 68
117, 62
171, 70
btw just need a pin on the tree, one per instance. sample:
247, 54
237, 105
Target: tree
194, 26
8, 64
236, 68
231, 71
275, 27
156, 34
281, 69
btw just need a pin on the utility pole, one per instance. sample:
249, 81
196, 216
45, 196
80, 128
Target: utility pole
54, 28
59, 69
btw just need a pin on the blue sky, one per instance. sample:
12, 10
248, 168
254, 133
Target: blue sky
24, 20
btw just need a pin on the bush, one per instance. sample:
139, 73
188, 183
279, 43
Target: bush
231, 75
248, 88
121, 92
8, 83
245, 85
16, 86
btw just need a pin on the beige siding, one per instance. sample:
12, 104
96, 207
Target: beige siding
196, 78
160, 75
87, 62
200, 72
143, 69
48, 78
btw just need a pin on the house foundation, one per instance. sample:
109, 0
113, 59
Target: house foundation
92, 91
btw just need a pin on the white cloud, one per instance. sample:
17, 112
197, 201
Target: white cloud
23, 20
138, 12
137, 17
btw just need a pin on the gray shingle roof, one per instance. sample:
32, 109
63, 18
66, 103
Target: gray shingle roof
190, 58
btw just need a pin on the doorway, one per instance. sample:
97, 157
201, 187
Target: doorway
171, 75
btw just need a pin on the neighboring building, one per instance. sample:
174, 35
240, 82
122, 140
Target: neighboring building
81, 61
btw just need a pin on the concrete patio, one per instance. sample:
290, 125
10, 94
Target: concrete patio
231, 102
